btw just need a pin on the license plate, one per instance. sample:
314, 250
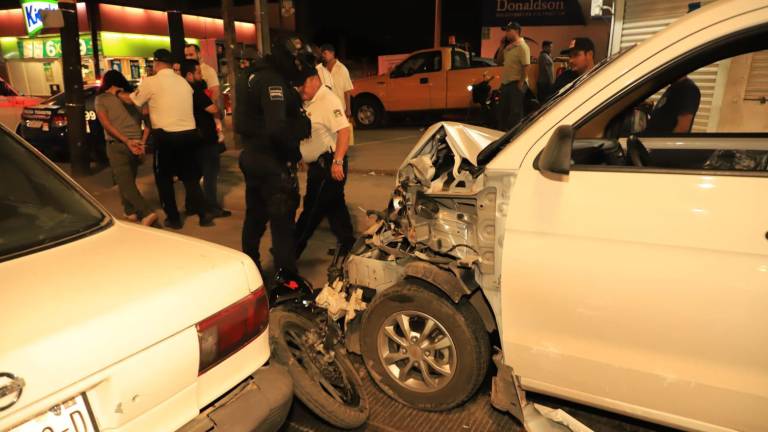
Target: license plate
71, 416
34, 124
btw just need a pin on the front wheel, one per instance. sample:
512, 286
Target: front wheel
326, 382
422, 349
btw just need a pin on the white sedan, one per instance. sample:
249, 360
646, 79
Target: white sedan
115, 327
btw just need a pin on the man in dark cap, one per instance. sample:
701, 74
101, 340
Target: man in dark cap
271, 121
515, 57
169, 98
581, 59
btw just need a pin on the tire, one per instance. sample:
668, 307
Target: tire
307, 388
464, 363
368, 112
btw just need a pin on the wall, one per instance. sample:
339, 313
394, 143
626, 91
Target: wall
596, 29
736, 114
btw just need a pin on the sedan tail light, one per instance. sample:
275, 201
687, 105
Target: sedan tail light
232, 328
59, 120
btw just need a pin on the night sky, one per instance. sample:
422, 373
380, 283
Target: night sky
366, 29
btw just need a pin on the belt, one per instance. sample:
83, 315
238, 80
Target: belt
184, 132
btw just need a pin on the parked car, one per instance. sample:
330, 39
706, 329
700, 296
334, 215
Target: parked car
113, 326
436, 80
45, 126
613, 265
9, 97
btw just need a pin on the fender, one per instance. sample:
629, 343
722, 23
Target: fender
454, 287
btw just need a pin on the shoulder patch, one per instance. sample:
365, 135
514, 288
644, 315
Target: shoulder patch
337, 113
276, 93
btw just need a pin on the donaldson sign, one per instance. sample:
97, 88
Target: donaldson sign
31, 11
532, 12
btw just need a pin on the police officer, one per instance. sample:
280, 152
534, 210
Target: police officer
271, 121
325, 153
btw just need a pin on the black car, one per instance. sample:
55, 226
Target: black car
45, 127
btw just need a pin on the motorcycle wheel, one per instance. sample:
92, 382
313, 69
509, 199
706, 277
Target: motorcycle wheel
331, 389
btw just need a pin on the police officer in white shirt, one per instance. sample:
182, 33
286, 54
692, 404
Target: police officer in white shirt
336, 76
325, 154
169, 97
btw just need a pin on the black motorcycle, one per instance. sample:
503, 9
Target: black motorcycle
306, 336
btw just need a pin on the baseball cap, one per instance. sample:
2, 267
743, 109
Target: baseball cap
163, 55
579, 44
512, 25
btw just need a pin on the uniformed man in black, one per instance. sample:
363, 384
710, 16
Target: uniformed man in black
271, 121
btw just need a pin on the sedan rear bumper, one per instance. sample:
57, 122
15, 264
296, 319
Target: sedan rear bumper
261, 404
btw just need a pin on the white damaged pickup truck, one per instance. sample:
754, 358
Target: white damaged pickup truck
611, 262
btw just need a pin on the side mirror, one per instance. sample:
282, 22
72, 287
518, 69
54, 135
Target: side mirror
556, 156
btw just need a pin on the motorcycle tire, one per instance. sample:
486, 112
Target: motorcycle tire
343, 406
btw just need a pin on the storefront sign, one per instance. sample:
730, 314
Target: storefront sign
532, 12
43, 48
31, 12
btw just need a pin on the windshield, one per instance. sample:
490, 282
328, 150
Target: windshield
38, 207
495, 147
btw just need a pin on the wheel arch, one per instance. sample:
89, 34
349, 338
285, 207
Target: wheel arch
455, 287
368, 95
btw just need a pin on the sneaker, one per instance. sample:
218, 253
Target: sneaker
176, 224
220, 213
206, 221
150, 219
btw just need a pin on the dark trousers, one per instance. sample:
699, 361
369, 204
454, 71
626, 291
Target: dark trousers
271, 195
511, 105
325, 198
543, 92
209, 161
125, 165
175, 156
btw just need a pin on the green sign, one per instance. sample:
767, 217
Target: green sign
43, 48
31, 11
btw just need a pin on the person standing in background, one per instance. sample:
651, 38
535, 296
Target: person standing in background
208, 152
335, 75
546, 73
514, 56
211, 79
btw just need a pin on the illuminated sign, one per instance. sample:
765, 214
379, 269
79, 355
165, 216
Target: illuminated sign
42, 48
532, 12
31, 11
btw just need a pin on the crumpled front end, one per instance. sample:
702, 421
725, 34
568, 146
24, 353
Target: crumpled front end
444, 211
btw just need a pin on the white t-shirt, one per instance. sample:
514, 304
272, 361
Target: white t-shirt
209, 75
170, 101
327, 116
337, 79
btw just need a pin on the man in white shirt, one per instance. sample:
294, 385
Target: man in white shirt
336, 76
169, 97
325, 154
210, 77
